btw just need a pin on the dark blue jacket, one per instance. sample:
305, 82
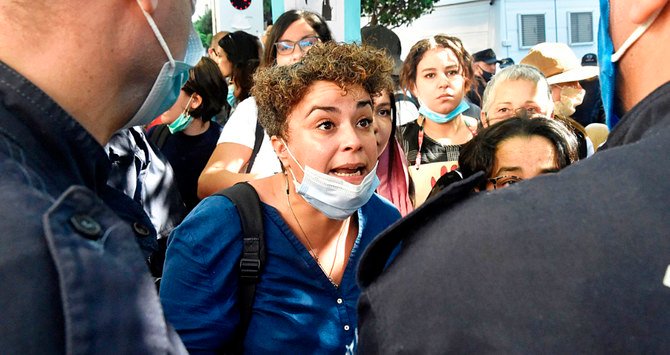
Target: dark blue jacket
573, 262
73, 278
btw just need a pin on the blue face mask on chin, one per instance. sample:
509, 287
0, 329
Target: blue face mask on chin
607, 57
442, 118
171, 78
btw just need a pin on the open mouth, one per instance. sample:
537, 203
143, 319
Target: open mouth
347, 171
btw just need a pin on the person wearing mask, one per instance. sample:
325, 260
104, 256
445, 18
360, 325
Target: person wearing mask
215, 52
563, 71
437, 72
571, 262
244, 151
484, 67
74, 280
240, 57
188, 135
318, 216
591, 110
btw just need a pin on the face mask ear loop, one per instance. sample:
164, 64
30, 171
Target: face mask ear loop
158, 35
639, 31
292, 157
188, 105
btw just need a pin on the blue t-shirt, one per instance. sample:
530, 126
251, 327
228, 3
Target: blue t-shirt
296, 308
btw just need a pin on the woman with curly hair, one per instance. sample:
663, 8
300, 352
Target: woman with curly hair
318, 216
244, 151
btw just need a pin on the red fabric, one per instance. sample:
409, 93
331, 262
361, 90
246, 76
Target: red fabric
395, 187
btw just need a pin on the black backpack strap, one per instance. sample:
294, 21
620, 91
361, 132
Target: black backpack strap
257, 146
159, 135
248, 204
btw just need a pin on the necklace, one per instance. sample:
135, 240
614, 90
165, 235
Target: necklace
309, 243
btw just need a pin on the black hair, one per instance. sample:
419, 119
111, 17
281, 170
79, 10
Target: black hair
206, 80
479, 153
315, 21
244, 53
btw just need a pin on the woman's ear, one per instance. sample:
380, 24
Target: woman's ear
196, 101
279, 146
148, 5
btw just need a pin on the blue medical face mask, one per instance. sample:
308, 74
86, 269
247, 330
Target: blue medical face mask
232, 101
439, 117
171, 78
183, 121
334, 197
607, 57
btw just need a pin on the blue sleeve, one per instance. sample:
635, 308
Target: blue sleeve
199, 286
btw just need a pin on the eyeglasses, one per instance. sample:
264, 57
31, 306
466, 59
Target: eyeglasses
503, 181
287, 47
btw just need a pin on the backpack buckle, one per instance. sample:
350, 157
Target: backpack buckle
250, 269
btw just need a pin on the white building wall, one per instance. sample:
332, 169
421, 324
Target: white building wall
484, 24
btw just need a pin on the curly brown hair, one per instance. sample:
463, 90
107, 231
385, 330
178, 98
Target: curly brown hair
279, 89
419, 49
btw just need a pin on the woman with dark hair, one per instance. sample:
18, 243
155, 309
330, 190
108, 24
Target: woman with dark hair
240, 58
188, 136
392, 170
513, 150
244, 151
279, 47
438, 72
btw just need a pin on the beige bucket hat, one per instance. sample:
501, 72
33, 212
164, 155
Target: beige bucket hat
558, 63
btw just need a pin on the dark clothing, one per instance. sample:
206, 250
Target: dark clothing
591, 110
73, 278
188, 156
476, 92
142, 172
431, 150
572, 262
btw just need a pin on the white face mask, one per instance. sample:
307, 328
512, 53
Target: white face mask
334, 197
571, 97
172, 76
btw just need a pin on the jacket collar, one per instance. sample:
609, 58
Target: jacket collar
647, 117
51, 140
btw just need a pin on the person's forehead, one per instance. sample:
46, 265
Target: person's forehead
520, 90
297, 30
438, 56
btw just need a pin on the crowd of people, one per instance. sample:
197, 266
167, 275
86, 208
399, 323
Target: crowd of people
296, 194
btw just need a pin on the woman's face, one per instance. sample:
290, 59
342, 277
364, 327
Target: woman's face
520, 158
297, 31
330, 130
439, 83
382, 119
225, 65
512, 95
171, 115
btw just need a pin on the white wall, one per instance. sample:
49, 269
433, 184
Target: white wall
481, 25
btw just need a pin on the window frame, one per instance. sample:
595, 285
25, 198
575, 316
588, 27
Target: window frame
570, 30
520, 28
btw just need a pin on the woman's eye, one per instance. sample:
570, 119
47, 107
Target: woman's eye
533, 110
384, 112
452, 72
326, 125
429, 75
503, 110
365, 122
